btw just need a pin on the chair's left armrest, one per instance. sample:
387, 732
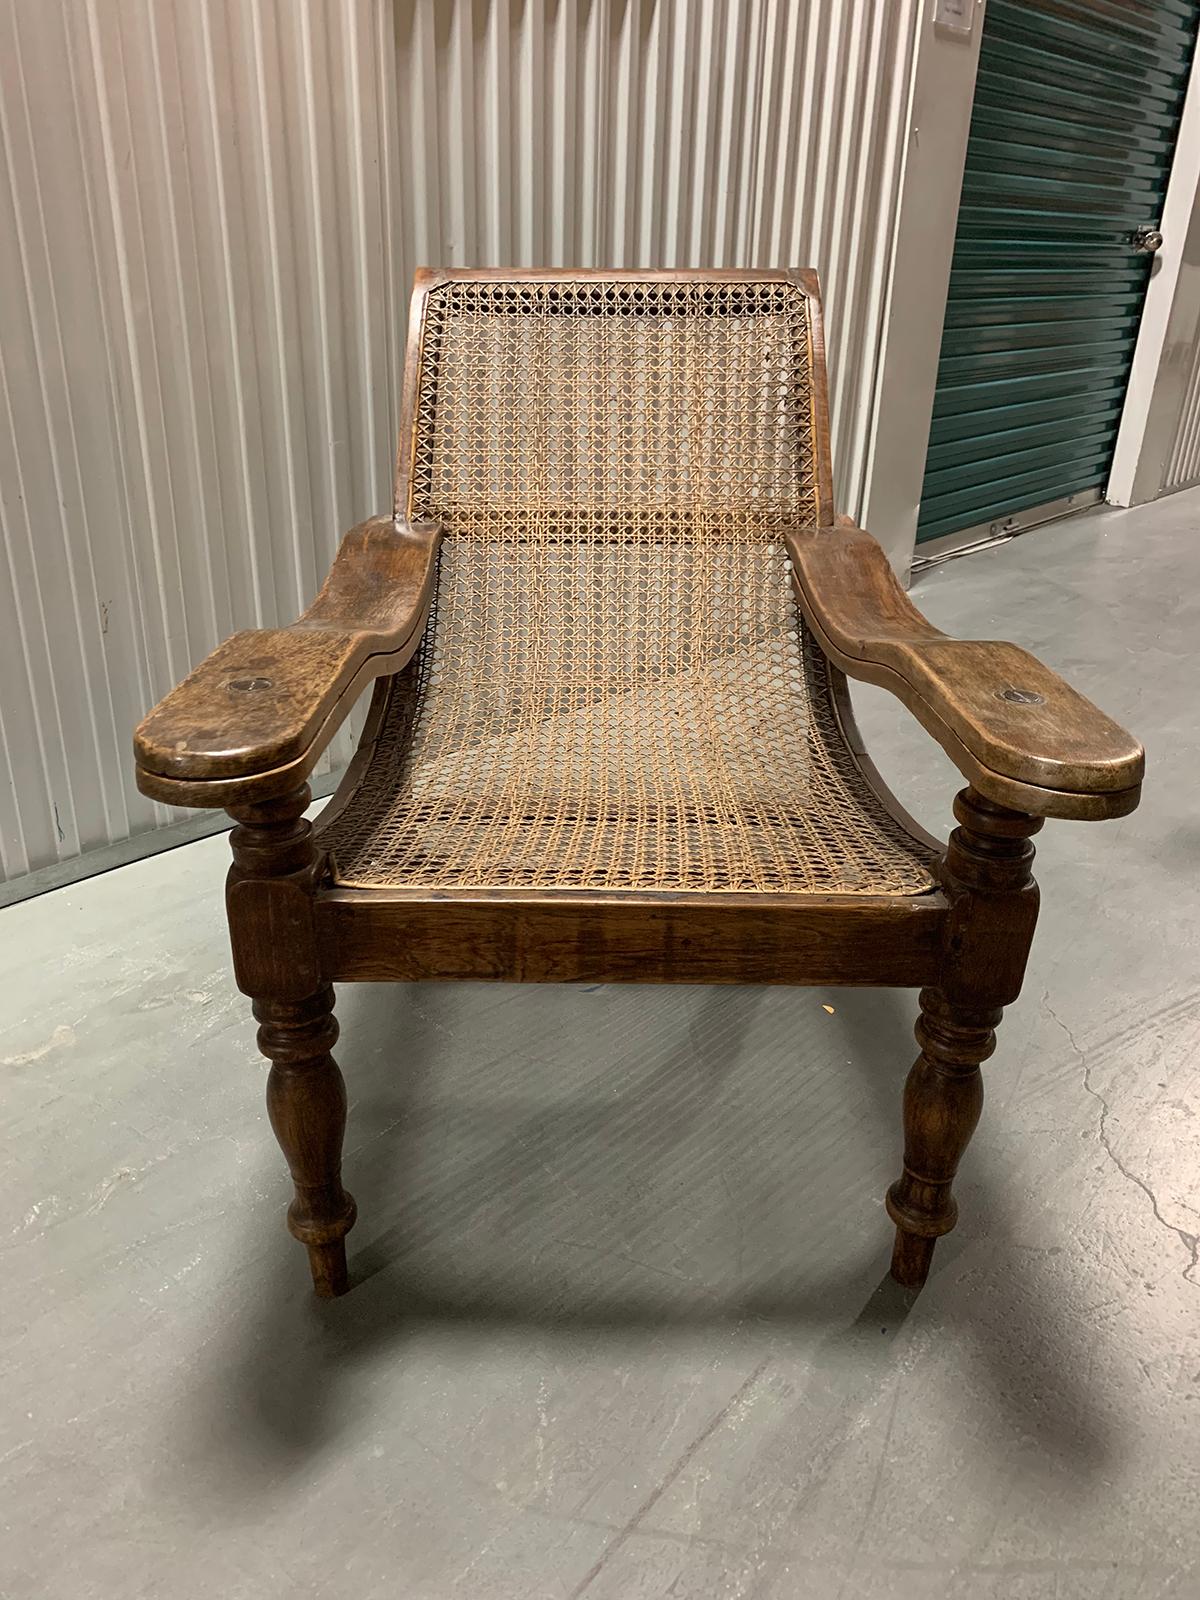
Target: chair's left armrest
1013, 727
251, 720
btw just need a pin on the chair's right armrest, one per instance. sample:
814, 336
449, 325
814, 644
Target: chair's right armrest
252, 719
1014, 728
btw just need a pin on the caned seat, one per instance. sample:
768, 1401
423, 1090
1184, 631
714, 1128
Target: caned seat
609, 619
616, 689
729, 776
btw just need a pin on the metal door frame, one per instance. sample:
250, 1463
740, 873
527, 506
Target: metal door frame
938, 125
1169, 327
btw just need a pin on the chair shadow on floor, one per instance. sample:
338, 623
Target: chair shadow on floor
624, 1162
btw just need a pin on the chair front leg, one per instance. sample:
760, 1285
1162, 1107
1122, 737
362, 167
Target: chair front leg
269, 898
994, 903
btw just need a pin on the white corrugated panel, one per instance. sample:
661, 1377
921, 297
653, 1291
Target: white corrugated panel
198, 329
210, 211
1183, 461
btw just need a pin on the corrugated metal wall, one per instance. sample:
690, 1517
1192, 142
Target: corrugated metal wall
1183, 460
210, 211
198, 325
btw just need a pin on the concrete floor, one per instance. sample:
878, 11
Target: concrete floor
622, 1327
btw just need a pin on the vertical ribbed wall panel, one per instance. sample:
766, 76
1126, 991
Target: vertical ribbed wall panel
210, 211
1183, 462
199, 317
667, 133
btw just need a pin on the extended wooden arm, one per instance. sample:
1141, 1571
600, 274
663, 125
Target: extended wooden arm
251, 720
1020, 734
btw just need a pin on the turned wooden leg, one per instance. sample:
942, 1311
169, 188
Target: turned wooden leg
986, 876
270, 902
306, 1101
942, 1101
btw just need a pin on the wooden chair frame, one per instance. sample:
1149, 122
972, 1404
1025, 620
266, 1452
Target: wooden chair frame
246, 728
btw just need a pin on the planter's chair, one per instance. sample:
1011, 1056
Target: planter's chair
610, 618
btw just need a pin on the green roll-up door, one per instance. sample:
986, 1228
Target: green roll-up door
1077, 106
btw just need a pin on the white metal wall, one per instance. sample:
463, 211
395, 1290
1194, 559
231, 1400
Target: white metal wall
198, 323
209, 215
1158, 444
1183, 461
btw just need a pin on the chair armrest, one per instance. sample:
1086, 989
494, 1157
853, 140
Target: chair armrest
254, 716
1015, 729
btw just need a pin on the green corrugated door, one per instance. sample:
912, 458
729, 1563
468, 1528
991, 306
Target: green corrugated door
1076, 110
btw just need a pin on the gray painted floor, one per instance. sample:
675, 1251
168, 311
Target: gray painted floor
622, 1327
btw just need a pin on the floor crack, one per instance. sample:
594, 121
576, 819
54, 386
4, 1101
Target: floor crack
1190, 1241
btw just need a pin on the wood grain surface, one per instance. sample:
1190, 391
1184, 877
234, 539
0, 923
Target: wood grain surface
263, 700
1011, 724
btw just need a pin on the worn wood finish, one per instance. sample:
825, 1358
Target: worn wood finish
268, 700
1025, 733
993, 909
429, 277
853, 739
554, 936
270, 902
246, 728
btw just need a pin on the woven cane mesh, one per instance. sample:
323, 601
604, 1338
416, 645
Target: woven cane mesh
616, 691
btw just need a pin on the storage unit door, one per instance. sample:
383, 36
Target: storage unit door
1076, 109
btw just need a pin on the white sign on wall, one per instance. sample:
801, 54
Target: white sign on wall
955, 17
